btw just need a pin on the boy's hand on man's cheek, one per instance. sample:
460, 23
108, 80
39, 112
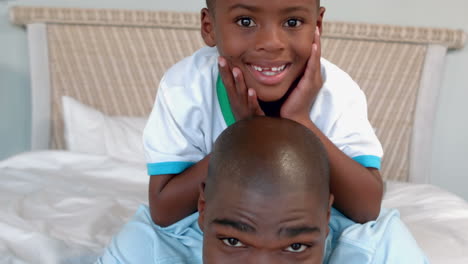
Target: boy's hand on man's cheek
299, 103
243, 100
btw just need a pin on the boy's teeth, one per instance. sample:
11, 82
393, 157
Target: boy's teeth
269, 71
258, 68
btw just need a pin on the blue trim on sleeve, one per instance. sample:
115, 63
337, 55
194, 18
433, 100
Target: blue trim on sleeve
368, 161
168, 167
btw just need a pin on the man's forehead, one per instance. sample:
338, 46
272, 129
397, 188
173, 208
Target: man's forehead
256, 208
284, 229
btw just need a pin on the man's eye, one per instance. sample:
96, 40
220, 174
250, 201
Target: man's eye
293, 22
246, 22
296, 248
232, 242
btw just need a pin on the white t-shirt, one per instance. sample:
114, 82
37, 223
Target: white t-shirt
192, 109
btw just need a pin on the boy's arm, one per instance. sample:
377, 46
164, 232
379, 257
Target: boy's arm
358, 190
174, 196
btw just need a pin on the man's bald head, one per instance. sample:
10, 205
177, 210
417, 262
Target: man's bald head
270, 156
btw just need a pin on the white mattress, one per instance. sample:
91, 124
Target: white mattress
63, 207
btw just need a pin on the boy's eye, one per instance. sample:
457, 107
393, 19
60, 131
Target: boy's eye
232, 242
246, 22
296, 248
293, 22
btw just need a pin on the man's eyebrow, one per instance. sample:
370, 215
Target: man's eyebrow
296, 231
244, 6
238, 225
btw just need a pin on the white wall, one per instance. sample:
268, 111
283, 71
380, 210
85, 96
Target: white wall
449, 168
14, 88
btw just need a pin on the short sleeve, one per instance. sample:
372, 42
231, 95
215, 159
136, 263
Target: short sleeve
172, 138
353, 133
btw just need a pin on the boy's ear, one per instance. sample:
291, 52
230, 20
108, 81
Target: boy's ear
330, 203
201, 205
321, 14
331, 199
207, 27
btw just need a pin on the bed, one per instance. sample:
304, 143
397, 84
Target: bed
94, 78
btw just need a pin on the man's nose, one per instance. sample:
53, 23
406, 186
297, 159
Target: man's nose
270, 38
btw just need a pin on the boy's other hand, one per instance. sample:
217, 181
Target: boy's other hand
299, 103
243, 100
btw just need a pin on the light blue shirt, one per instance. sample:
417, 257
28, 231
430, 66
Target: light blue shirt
385, 240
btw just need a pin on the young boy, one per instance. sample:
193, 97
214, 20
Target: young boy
266, 199
264, 59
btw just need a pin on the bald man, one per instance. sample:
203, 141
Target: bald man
266, 199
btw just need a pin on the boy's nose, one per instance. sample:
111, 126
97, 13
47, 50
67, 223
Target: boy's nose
270, 39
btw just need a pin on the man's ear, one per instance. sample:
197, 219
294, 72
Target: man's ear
207, 27
201, 205
321, 14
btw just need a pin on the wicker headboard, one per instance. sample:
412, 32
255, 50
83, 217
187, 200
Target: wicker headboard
114, 59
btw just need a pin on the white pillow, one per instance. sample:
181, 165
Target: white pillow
88, 130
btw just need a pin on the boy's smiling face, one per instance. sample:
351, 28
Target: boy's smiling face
246, 226
270, 41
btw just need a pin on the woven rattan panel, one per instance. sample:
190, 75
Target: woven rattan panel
113, 69
389, 74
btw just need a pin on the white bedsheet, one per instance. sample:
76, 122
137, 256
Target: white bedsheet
63, 207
